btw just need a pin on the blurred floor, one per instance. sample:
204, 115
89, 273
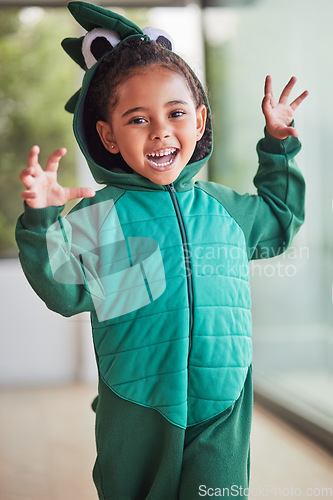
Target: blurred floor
286, 464
47, 450
47, 443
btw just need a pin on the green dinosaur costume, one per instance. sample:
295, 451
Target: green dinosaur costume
164, 272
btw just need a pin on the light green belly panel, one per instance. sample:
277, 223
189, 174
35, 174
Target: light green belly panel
146, 353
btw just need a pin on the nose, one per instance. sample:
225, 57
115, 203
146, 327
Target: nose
159, 130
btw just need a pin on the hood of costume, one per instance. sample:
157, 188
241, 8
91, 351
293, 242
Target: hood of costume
108, 168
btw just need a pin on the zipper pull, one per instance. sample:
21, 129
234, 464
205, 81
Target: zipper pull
170, 187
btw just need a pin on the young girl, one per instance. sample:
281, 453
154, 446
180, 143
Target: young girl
160, 261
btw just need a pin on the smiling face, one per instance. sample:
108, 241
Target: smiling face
154, 124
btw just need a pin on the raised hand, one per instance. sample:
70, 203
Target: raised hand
42, 189
279, 115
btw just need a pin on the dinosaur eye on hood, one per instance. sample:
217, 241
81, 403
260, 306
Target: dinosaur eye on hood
97, 43
159, 36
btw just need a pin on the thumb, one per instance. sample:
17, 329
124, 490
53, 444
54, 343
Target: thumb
292, 132
266, 104
73, 193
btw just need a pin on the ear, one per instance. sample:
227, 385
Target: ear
105, 132
201, 114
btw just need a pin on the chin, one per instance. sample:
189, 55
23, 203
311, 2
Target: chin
167, 178
164, 182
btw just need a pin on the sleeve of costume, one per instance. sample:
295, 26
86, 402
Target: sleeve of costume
60, 256
270, 219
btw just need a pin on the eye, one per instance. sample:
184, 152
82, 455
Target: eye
138, 120
177, 113
159, 36
97, 43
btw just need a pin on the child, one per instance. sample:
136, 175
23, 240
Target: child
160, 261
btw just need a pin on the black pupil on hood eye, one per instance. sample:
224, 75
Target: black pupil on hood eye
162, 40
100, 46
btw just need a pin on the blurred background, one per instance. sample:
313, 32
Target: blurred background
232, 45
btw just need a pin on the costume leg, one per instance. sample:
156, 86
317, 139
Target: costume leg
217, 452
139, 453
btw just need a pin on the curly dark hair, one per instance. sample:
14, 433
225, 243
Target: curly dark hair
118, 65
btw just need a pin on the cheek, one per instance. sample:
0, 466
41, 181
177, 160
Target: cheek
129, 140
190, 134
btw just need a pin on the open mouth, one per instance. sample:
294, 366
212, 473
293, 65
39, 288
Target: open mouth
162, 159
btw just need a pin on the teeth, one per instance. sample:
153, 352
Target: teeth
164, 152
165, 164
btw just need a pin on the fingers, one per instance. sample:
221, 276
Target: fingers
28, 195
287, 90
33, 163
268, 85
285, 93
73, 193
299, 100
267, 104
53, 161
27, 174
269, 89
33, 156
26, 177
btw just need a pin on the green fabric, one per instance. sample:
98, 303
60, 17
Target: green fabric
271, 220
31, 230
144, 356
140, 455
92, 16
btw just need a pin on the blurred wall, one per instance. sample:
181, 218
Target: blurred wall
38, 346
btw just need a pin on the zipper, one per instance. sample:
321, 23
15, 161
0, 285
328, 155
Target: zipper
170, 188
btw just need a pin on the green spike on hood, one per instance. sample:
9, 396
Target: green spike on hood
73, 47
89, 17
